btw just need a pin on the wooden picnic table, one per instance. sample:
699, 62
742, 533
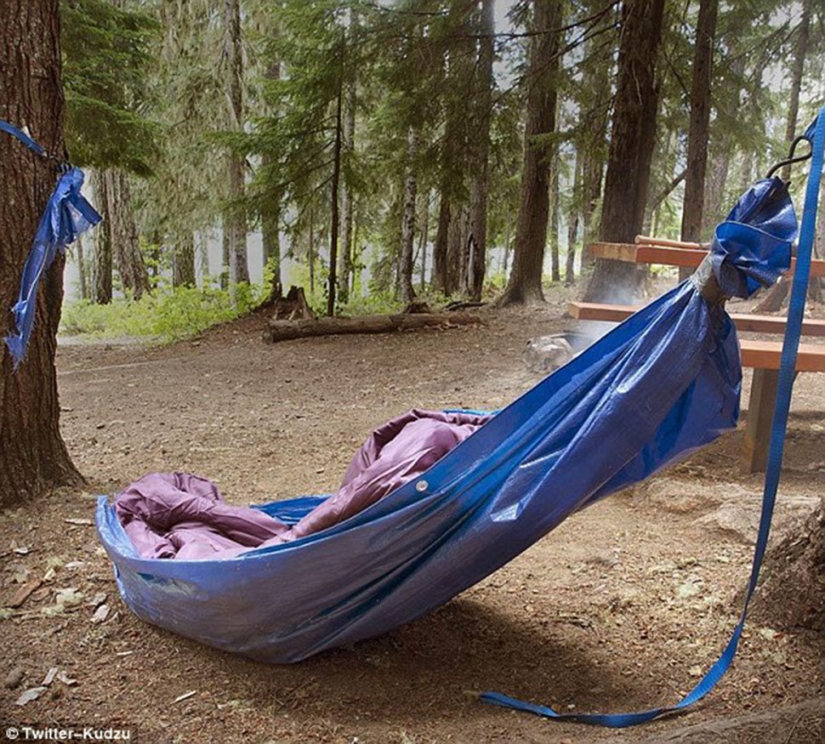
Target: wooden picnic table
762, 356
670, 253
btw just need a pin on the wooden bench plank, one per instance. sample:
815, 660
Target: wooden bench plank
744, 321
645, 253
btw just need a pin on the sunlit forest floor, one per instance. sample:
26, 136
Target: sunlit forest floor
621, 608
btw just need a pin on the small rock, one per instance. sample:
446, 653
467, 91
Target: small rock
30, 694
734, 520
13, 678
101, 613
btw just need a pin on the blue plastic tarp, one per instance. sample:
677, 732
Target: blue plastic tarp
654, 389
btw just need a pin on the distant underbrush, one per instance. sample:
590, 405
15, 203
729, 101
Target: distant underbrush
165, 316
175, 314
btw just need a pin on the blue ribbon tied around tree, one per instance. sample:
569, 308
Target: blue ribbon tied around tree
67, 215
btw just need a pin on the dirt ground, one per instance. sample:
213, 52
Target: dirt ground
621, 608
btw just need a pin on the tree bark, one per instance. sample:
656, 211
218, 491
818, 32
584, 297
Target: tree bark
33, 456
800, 52
286, 330
102, 265
183, 261
271, 218
524, 285
123, 232
573, 223
423, 237
441, 278
480, 187
699, 126
347, 196
82, 269
238, 266
406, 292
793, 592
777, 294
555, 268
631, 147
332, 284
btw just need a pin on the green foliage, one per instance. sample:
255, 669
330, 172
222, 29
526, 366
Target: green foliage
106, 52
167, 316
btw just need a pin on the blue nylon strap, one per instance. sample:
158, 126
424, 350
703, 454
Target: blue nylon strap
22, 136
787, 373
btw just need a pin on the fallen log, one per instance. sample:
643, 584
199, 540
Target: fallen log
286, 330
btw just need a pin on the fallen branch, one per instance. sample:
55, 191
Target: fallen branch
286, 330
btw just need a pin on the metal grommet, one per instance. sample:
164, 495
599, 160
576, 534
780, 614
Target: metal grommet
421, 486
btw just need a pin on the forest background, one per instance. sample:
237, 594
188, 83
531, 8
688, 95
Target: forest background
375, 151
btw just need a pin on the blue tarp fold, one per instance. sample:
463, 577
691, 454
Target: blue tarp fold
67, 215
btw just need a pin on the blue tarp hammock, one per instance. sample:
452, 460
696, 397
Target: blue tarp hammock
662, 384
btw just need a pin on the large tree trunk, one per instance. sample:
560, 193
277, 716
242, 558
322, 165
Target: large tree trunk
593, 150
335, 223
123, 232
555, 268
271, 219
524, 285
441, 275
82, 269
33, 456
792, 594
406, 292
631, 147
699, 127
238, 266
777, 294
480, 188
102, 265
573, 223
347, 193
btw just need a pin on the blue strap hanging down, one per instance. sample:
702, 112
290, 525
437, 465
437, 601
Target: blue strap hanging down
787, 372
66, 216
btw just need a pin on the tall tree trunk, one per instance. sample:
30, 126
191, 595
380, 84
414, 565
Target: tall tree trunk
347, 195
271, 218
183, 261
631, 147
779, 292
441, 277
800, 52
336, 217
82, 269
524, 285
123, 233
102, 266
597, 79
480, 187
699, 126
405, 286
226, 249
33, 456
573, 223
423, 237
555, 269
459, 235
203, 257
238, 266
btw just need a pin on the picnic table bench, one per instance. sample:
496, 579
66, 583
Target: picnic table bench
761, 356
